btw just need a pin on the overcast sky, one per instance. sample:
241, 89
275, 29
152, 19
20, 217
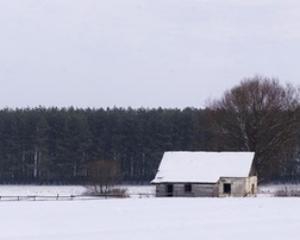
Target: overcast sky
169, 53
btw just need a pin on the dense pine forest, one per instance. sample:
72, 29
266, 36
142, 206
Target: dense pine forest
56, 145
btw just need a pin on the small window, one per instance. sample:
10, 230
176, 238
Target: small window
188, 188
227, 188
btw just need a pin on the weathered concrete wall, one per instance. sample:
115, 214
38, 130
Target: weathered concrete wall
161, 190
197, 190
240, 187
237, 187
251, 186
205, 190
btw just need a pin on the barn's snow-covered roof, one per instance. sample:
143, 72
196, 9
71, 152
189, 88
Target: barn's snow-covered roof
206, 167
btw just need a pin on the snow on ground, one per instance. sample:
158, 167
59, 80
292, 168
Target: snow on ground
282, 189
40, 190
137, 191
153, 218
273, 188
133, 190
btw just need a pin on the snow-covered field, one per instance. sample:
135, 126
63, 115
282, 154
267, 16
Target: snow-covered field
153, 218
133, 191
40, 190
271, 189
147, 218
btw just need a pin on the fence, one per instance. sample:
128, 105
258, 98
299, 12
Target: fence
71, 197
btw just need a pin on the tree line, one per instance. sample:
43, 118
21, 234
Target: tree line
66, 145
51, 145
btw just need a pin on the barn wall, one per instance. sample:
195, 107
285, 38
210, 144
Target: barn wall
240, 187
251, 186
161, 190
237, 186
198, 190
205, 190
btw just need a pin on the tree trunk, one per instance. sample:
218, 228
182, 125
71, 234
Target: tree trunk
35, 163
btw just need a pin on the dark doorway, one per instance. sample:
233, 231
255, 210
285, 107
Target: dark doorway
170, 190
227, 188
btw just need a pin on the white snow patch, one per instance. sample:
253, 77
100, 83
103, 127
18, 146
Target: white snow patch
272, 189
63, 190
40, 190
148, 219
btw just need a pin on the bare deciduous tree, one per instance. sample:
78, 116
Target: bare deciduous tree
102, 175
258, 115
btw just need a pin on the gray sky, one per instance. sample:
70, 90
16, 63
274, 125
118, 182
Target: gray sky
169, 53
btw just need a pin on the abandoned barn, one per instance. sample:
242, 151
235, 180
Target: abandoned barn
206, 174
